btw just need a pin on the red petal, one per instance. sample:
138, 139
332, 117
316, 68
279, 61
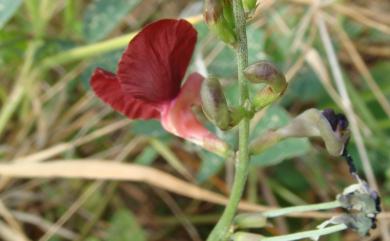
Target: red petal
156, 60
106, 86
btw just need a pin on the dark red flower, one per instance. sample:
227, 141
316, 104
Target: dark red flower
147, 84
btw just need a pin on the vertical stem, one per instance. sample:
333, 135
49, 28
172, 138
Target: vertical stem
222, 230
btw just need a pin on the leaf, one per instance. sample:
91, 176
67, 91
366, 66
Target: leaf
305, 87
224, 66
102, 16
92, 239
256, 42
7, 10
149, 128
124, 227
211, 165
147, 156
283, 150
292, 147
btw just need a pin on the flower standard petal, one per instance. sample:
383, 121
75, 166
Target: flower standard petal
106, 86
156, 60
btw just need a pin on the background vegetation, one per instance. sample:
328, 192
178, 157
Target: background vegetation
48, 50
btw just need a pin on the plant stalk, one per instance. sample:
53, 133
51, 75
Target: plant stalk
308, 234
302, 208
312, 234
222, 230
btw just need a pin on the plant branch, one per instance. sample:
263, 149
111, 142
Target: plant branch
313, 234
302, 208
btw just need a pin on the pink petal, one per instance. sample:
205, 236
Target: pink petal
178, 118
156, 60
106, 86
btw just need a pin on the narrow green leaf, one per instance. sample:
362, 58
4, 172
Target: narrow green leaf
147, 156
7, 10
211, 165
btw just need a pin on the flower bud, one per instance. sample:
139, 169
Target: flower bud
360, 197
228, 13
250, 220
314, 123
249, 5
214, 103
213, 10
218, 14
244, 236
267, 73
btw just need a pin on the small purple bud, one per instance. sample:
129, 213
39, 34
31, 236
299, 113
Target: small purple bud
331, 117
336, 121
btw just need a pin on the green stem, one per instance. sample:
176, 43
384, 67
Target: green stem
308, 234
90, 50
300, 209
222, 230
242, 236
258, 219
87, 51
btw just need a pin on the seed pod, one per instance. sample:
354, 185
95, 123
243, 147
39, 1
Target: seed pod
214, 103
267, 73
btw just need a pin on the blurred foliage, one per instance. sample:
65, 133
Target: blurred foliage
42, 108
101, 17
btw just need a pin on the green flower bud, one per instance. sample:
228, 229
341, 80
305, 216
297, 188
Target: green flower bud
244, 236
215, 107
228, 13
249, 5
225, 33
360, 197
267, 73
250, 220
313, 123
218, 14
358, 222
214, 103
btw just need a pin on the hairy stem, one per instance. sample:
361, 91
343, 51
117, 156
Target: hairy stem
222, 230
